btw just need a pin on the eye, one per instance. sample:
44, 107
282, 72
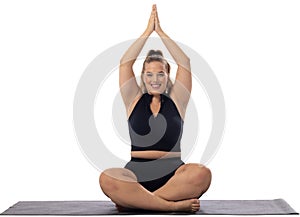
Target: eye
149, 74
161, 74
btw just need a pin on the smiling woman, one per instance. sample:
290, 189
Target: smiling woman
157, 71
156, 178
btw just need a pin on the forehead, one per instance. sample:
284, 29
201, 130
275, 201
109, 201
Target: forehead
154, 66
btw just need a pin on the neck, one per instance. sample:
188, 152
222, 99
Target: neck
156, 98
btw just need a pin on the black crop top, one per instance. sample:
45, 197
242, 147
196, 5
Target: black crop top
162, 132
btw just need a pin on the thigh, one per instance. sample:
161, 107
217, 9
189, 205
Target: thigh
189, 181
195, 174
188, 167
121, 174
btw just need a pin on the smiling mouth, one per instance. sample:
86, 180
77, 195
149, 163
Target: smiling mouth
156, 86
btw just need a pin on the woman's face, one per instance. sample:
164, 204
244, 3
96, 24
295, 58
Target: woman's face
155, 77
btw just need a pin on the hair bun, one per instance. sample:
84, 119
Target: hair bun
155, 53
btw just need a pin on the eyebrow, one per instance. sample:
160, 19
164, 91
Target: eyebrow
161, 72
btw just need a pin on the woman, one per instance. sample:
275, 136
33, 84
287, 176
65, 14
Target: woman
156, 178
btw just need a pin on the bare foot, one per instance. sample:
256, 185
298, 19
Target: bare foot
190, 205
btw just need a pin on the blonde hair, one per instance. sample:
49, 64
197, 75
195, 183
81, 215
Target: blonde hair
156, 55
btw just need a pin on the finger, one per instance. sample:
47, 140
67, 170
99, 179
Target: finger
153, 8
156, 18
152, 13
156, 14
152, 17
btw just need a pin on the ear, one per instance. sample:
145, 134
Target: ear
168, 74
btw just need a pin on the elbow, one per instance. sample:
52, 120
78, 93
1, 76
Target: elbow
126, 63
186, 64
187, 61
122, 61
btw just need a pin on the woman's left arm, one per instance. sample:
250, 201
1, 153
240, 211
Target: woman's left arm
183, 83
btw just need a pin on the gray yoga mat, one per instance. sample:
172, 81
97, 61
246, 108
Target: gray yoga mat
208, 207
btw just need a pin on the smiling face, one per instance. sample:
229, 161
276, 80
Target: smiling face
155, 77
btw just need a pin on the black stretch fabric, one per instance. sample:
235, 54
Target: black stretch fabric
153, 174
162, 132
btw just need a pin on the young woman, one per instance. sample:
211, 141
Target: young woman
156, 178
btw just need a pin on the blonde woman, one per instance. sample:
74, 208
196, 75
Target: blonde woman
156, 178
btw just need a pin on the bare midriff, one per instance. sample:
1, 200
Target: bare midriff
154, 154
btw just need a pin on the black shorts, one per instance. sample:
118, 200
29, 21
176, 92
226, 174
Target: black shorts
153, 174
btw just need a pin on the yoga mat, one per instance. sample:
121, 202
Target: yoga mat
208, 207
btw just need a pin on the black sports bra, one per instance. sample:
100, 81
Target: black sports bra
162, 132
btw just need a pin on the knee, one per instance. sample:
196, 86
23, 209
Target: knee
200, 176
107, 183
111, 179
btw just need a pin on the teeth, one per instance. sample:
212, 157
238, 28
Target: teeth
155, 85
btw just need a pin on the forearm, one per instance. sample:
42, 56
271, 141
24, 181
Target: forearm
134, 50
178, 55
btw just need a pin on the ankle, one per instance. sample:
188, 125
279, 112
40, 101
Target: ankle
173, 206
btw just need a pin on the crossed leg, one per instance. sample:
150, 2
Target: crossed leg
189, 181
178, 194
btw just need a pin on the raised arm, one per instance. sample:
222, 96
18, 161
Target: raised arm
183, 83
127, 82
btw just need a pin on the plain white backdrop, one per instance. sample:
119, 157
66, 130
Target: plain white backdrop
252, 47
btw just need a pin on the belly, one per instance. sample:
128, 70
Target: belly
154, 154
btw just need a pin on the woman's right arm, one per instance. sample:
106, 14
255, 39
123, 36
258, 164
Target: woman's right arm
127, 82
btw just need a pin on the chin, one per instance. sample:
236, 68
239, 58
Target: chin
153, 92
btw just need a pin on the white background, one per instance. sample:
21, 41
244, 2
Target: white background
253, 47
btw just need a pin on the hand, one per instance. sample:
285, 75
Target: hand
151, 22
157, 27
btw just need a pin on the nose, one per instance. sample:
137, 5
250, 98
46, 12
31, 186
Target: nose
155, 78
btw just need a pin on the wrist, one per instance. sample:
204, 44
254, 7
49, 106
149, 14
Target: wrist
160, 32
147, 33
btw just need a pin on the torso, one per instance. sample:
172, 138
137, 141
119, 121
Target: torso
155, 107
